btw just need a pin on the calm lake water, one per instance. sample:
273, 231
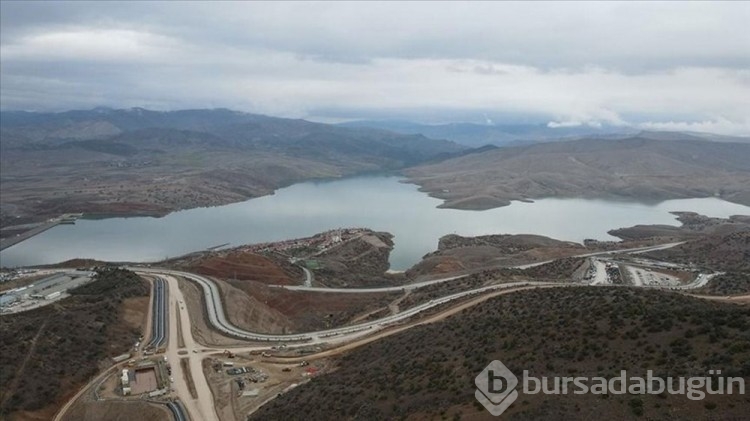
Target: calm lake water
378, 202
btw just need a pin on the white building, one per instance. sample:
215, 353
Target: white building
125, 379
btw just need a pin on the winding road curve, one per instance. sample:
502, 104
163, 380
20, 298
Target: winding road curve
198, 404
217, 316
178, 412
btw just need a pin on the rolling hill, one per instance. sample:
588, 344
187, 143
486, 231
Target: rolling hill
428, 372
634, 168
141, 161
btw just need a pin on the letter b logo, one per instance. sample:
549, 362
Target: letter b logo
496, 387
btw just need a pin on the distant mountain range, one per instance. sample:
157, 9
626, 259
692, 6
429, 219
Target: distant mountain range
138, 161
475, 135
139, 128
122, 161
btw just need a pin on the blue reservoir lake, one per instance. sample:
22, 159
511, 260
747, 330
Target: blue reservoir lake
381, 203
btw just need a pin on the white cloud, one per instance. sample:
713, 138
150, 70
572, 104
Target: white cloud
574, 63
563, 124
88, 44
719, 126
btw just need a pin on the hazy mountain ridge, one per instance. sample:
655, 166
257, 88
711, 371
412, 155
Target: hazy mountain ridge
106, 160
126, 119
240, 129
475, 135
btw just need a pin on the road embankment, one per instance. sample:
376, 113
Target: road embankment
12, 241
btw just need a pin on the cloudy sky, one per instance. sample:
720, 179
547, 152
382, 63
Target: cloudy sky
670, 65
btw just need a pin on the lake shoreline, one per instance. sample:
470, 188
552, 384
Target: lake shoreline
381, 203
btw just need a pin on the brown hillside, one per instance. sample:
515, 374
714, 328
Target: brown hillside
256, 306
722, 252
46, 354
247, 266
428, 372
457, 253
634, 168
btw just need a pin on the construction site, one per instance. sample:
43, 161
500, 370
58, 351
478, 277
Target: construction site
316, 243
144, 378
240, 383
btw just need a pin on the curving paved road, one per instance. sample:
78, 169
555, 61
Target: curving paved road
217, 316
178, 412
635, 250
201, 405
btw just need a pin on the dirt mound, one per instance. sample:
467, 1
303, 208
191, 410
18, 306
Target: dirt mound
278, 310
247, 266
362, 261
247, 311
437, 266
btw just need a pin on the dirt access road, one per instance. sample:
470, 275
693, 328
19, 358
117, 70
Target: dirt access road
345, 347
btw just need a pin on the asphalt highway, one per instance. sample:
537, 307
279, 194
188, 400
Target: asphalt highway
217, 316
196, 401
